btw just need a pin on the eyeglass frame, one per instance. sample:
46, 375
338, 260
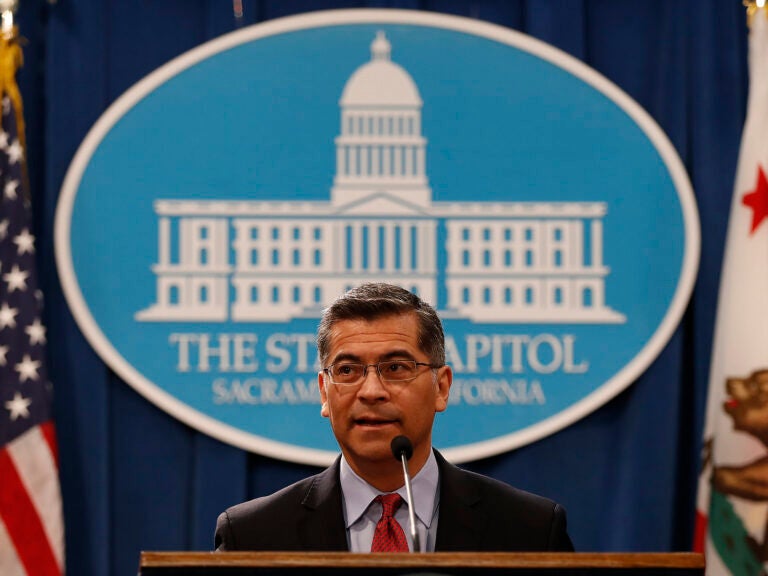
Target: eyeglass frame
327, 370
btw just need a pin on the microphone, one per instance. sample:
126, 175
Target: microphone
402, 450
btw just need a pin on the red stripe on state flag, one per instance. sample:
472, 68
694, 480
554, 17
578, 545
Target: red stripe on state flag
23, 524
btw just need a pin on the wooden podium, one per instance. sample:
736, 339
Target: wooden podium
435, 564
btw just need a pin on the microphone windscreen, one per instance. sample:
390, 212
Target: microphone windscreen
401, 445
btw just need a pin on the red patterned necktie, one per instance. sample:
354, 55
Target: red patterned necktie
389, 535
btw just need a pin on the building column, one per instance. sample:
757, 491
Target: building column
164, 241
375, 163
408, 161
596, 233
421, 167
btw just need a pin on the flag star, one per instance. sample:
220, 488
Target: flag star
757, 200
8, 316
15, 152
4, 228
25, 242
16, 279
3, 355
19, 406
36, 332
27, 368
9, 191
3, 139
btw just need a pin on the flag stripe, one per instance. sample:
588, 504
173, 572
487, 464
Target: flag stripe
24, 526
10, 565
49, 433
37, 472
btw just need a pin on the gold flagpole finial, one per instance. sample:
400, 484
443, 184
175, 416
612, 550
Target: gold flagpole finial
752, 7
7, 10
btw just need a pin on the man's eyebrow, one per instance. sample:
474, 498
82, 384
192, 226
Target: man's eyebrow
346, 357
349, 357
405, 354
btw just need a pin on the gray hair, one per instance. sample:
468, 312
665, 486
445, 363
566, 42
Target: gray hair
371, 301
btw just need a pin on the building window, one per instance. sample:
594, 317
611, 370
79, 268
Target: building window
297, 233
486, 234
558, 295
465, 234
529, 295
529, 258
254, 257
318, 258
586, 297
508, 295
507, 234
275, 293
415, 290
275, 257
318, 295
296, 257
254, 233
398, 248
297, 294
203, 256
465, 295
529, 234
275, 233
465, 259
348, 243
486, 258
254, 293
508, 258
203, 294
318, 232
558, 234
487, 295
173, 295
203, 232
558, 258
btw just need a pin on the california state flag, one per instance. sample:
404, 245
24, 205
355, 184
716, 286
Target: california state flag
732, 506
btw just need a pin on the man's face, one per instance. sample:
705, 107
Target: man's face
366, 417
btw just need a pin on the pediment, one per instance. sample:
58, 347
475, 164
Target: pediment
381, 204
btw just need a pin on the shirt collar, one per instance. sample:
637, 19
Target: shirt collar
358, 494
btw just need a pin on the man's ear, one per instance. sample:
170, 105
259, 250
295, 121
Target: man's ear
323, 395
443, 382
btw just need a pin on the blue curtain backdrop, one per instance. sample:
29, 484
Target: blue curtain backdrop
133, 478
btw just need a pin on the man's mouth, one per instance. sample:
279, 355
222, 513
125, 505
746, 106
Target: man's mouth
731, 404
373, 421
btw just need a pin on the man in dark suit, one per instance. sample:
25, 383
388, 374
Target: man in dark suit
383, 355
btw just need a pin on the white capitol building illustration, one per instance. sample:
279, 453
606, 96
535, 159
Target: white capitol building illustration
489, 262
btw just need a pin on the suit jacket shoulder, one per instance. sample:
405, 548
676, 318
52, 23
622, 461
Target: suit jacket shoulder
478, 513
307, 516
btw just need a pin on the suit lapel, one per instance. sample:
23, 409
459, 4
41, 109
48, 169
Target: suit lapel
460, 522
321, 525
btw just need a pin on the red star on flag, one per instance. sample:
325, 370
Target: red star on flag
757, 199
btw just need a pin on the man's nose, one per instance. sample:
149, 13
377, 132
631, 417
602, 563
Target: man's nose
372, 386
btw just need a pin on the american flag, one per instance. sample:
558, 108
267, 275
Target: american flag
31, 527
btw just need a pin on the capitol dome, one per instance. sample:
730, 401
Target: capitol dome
380, 82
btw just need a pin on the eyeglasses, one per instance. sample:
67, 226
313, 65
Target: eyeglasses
389, 371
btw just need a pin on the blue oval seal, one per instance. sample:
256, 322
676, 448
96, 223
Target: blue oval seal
222, 202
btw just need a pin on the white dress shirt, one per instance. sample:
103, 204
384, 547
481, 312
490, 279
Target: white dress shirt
361, 514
